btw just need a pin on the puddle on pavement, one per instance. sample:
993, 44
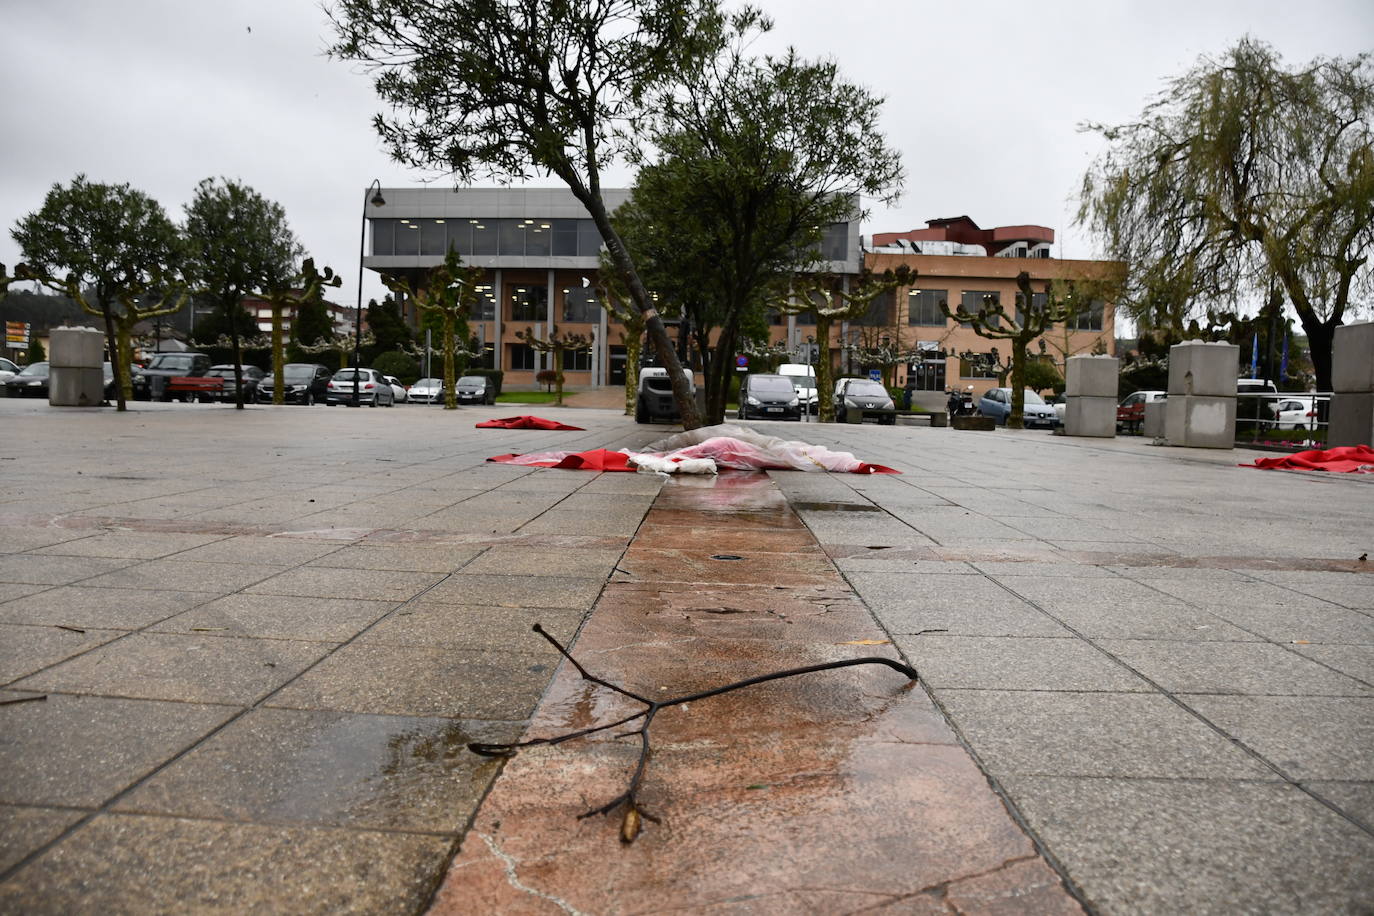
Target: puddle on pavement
836, 507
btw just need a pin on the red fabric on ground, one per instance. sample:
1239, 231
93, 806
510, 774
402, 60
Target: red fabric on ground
595, 460
1349, 459
525, 422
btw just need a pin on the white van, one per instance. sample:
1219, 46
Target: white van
803, 379
655, 398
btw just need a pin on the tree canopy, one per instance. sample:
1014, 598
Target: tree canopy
507, 89
237, 243
111, 249
1241, 173
758, 159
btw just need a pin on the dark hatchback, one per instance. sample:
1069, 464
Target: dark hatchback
305, 383
31, 382
476, 389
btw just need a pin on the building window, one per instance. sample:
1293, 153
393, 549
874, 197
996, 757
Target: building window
879, 313
564, 237
923, 307
485, 358
835, 242
484, 309
407, 237
510, 237
483, 236
581, 305
538, 238
1090, 319
383, 236
433, 237
972, 300
1038, 303
579, 360
980, 365
528, 303
588, 239
522, 356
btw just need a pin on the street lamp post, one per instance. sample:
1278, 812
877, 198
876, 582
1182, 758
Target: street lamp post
376, 200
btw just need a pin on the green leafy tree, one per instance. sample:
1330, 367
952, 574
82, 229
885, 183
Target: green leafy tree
480, 88
822, 297
557, 343
1041, 374
306, 286
1034, 316
389, 329
36, 351
312, 324
758, 159
111, 249
1244, 171
238, 243
402, 365
448, 293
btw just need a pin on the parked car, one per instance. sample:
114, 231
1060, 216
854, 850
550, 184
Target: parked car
996, 403
654, 400
252, 377
768, 397
398, 391
7, 369
29, 382
1130, 413
476, 389
804, 380
865, 397
304, 383
1299, 412
372, 388
150, 382
426, 391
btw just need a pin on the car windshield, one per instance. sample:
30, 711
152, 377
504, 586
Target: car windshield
1031, 396
221, 372
865, 387
178, 362
33, 369
476, 380
426, 383
802, 381
769, 383
298, 373
348, 375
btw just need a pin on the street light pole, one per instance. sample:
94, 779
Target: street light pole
376, 200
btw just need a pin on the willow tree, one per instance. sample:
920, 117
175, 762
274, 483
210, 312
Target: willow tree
238, 244
1241, 172
299, 289
505, 90
112, 250
828, 302
448, 293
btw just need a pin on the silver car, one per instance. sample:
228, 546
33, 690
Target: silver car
372, 388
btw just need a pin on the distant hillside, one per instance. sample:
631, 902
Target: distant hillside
42, 310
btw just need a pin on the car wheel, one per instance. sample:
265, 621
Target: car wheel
641, 415
309, 399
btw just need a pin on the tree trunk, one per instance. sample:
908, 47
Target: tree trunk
278, 357
450, 379
1321, 338
825, 378
1016, 419
653, 324
631, 337
124, 358
557, 376
112, 344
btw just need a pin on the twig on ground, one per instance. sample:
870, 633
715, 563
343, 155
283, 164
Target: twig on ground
634, 815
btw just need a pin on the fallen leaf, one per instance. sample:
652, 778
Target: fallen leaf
1302, 642
758, 785
866, 642
629, 827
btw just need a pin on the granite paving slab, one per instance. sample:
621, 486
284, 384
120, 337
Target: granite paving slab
100, 608
24, 829
1252, 669
1015, 663
27, 648
278, 617
366, 584
1308, 737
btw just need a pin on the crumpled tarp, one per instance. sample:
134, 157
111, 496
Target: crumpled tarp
525, 422
1347, 459
702, 451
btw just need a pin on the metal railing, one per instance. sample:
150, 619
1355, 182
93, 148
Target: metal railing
1290, 421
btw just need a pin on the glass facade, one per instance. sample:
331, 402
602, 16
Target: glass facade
1091, 318
529, 303
835, 242
923, 307
522, 356
971, 300
478, 236
581, 305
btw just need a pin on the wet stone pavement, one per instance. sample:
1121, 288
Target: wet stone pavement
262, 640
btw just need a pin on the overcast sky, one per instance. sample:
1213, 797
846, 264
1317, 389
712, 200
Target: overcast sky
983, 99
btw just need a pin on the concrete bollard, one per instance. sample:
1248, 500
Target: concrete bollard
76, 378
1201, 408
1090, 386
1352, 384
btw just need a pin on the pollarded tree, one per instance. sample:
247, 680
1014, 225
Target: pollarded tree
557, 343
112, 250
237, 244
497, 89
822, 297
1035, 314
759, 160
302, 288
448, 292
1244, 170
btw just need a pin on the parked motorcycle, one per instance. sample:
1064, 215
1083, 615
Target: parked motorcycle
960, 403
